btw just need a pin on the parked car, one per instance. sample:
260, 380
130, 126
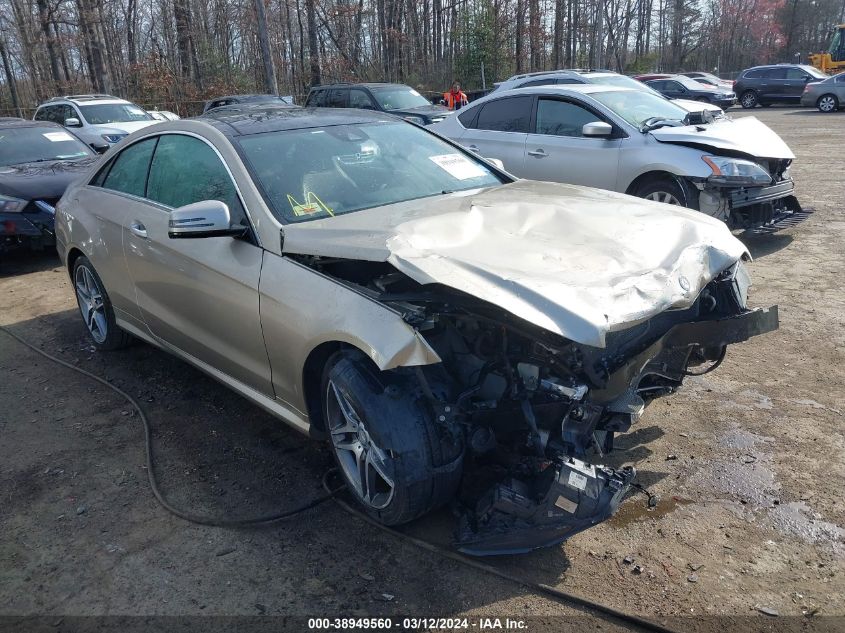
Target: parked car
38, 160
437, 321
601, 77
780, 83
827, 95
681, 87
163, 115
710, 79
99, 120
634, 142
649, 77
235, 99
396, 99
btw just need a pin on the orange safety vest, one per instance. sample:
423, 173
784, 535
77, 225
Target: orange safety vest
455, 100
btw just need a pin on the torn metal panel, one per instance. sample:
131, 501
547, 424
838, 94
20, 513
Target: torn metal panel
747, 135
575, 261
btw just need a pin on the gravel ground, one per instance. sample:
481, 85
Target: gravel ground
750, 520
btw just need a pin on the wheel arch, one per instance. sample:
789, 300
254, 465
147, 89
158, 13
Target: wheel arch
73, 254
653, 174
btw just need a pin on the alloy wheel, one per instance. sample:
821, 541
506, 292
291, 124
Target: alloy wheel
664, 197
365, 465
749, 100
827, 104
91, 304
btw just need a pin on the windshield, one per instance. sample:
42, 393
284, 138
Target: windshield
319, 172
621, 81
399, 98
113, 113
39, 144
636, 107
691, 83
815, 72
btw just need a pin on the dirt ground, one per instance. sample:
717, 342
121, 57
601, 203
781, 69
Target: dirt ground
749, 463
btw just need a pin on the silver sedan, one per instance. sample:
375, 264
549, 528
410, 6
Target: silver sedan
828, 95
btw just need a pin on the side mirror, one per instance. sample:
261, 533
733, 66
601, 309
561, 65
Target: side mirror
597, 129
496, 162
207, 218
73, 122
100, 148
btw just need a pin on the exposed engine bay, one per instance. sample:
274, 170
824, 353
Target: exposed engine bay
531, 413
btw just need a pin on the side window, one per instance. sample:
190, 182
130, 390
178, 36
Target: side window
337, 98
42, 114
755, 74
68, 113
776, 73
468, 116
128, 173
360, 99
568, 80
511, 114
562, 118
674, 86
795, 74
186, 170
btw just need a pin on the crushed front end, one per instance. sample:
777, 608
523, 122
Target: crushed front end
537, 412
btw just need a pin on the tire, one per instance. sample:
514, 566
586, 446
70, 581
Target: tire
703, 100
667, 190
827, 103
749, 99
396, 461
96, 308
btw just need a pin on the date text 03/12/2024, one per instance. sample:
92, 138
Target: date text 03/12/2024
417, 624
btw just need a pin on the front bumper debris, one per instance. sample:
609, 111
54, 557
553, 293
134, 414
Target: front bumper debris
516, 516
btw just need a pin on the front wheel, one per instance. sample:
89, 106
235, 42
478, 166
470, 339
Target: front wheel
827, 104
666, 190
96, 308
748, 99
395, 460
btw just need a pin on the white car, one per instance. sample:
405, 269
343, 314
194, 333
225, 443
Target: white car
99, 120
636, 143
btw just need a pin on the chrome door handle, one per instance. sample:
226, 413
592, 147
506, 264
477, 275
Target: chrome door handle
138, 229
539, 153
474, 148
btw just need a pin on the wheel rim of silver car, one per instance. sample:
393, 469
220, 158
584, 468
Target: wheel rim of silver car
363, 462
826, 104
664, 197
91, 305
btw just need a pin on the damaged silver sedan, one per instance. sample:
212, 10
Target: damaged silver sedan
455, 335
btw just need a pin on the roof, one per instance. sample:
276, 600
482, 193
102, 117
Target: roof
257, 118
365, 84
11, 122
582, 88
87, 98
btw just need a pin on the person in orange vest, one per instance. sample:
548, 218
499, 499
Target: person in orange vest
455, 99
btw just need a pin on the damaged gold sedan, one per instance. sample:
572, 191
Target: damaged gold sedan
458, 336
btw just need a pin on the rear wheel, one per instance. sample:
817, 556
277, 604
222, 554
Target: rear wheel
395, 460
96, 308
666, 190
749, 99
827, 103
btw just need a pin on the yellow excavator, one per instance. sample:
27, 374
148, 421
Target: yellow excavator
833, 61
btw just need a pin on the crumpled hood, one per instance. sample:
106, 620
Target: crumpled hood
576, 261
747, 135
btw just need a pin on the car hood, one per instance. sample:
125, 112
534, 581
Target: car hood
746, 135
696, 106
127, 126
31, 181
573, 260
432, 110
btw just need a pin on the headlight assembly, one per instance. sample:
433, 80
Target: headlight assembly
113, 138
414, 119
735, 171
8, 204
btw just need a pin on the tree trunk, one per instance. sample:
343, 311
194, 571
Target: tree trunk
10, 78
313, 52
270, 84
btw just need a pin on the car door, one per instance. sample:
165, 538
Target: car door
361, 99
839, 88
197, 295
499, 131
772, 87
556, 149
794, 83
675, 89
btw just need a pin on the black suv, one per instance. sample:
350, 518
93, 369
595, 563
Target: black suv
397, 99
780, 83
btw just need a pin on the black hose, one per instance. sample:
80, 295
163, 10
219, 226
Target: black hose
148, 440
331, 493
